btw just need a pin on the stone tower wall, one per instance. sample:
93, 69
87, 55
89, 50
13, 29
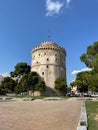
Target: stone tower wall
48, 60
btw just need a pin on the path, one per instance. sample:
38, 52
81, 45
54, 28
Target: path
40, 115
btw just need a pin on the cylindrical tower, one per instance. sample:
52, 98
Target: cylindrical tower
48, 60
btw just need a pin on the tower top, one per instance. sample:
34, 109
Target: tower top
49, 45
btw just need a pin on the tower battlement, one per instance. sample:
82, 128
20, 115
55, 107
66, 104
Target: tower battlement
49, 45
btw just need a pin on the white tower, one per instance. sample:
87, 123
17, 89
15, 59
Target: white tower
48, 60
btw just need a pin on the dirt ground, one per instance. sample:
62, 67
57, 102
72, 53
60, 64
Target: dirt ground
40, 115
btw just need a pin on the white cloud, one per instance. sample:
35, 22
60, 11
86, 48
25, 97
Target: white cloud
5, 74
68, 1
53, 7
77, 71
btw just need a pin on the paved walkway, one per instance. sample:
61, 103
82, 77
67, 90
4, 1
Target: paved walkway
40, 115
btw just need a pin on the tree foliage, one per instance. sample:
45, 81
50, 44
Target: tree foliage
27, 82
82, 81
7, 85
60, 84
93, 81
40, 86
90, 58
22, 80
89, 80
20, 69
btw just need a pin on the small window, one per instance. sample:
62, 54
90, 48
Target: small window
55, 54
42, 73
37, 62
47, 59
39, 54
44, 53
56, 59
47, 66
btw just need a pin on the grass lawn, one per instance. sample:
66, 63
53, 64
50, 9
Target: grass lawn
92, 112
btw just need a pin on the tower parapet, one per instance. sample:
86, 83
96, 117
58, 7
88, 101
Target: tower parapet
49, 45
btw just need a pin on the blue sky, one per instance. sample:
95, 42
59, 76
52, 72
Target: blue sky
24, 24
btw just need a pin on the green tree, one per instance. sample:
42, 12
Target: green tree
20, 88
90, 58
61, 85
93, 82
27, 82
20, 69
40, 86
73, 83
81, 86
82, 81
7, 85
